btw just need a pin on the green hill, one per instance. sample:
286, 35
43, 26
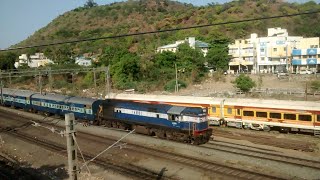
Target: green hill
150, 15
133, 61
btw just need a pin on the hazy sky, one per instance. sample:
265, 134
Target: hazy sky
21, 18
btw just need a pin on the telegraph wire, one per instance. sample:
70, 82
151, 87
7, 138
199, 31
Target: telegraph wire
161, 31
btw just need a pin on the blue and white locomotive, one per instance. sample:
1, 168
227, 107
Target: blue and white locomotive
179, 123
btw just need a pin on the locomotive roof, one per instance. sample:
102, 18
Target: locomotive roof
262, 103
17, 92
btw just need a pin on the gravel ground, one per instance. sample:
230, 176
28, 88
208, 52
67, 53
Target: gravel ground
172, 169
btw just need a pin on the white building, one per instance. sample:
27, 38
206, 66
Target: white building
82, 61
263, 54
193, 43
35, 61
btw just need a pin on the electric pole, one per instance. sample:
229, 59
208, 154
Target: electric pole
40, 83
176, 86
72, 150
108, 88
95, 81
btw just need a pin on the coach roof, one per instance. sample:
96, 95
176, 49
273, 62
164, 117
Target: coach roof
17, 92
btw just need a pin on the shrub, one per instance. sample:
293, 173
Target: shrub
170, 86
244, 83
315, 85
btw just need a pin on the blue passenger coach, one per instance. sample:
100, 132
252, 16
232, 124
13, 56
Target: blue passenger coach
16, 98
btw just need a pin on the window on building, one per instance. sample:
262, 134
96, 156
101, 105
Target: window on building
229, 111
318, 55
275, 115
248, 113
214, 109
304, 117
290, 116
304, 56
262, 50
158, 116
262, 114
262, 58
285, 48
275, 49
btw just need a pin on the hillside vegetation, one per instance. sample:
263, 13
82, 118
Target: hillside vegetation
133, 61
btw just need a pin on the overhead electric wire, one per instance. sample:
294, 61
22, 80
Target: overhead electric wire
164, 30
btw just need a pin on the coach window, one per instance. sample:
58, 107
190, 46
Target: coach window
229, 111
157, 115
290, 116
214, 109
318, 117
304, 117
248, 113
261, 114
275, 115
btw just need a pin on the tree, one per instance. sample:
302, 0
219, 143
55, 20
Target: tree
244, 83
191, 61
217, 56
90, 4
7, 60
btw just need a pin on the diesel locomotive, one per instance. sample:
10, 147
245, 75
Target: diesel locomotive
173, 122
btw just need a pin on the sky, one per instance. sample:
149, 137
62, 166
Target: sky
19, 19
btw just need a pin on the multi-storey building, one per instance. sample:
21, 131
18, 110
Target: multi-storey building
306, 55
273, 53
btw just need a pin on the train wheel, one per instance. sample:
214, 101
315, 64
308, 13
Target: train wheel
195, 141
161, 134
266, 128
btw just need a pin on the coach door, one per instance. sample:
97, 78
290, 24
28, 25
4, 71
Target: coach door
317, 121
238, 115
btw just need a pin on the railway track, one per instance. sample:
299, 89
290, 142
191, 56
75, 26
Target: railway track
9, 169
184, 160
203, 165
261, 154
265, 140
198, 163
130, 171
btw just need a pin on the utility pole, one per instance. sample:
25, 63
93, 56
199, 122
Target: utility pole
287, 57
176, 86
95, 81
40, 83
306, 91
1, 93
10, 78
72, 150
107, 80
50, 79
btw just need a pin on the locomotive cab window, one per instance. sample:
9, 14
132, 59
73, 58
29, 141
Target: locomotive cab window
275, 115
173, 117
305, 118
262, 114
290, 116
248, 113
